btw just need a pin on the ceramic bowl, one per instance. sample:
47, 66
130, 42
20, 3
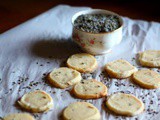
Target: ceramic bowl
97, 43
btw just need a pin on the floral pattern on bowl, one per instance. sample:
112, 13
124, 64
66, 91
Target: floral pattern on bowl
97, 43
83, 42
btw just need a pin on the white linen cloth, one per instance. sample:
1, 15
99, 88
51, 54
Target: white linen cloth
31, 50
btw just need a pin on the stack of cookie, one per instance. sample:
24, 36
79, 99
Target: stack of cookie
119, 103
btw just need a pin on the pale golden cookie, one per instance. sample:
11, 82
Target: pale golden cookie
150, 58
125, 104
147, 79
82, 62
64, 77
81, 111
36, 101
18, 116
120, 69
89, 89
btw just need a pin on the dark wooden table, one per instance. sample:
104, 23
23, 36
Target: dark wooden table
14, 12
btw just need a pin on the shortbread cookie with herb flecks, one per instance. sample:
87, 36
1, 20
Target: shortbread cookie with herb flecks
89, 89
82, 62
36, 101
147, 79
125, 104
150, 58
18, 116
120, 69
81, 111
64, 77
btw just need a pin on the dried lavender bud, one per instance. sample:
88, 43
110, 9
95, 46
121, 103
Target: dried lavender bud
97, 23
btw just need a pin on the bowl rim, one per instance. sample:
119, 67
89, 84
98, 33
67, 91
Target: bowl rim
93, 11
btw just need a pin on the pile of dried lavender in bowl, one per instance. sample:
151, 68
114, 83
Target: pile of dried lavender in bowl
97, 23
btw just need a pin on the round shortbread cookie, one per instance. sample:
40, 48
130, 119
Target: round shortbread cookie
64, 77
120, 69
81, 111
125, 104
82, 62
150, 58
19, 116
89, 89
147, 79
36, 101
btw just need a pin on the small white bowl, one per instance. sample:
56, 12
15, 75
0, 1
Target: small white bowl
97, 43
